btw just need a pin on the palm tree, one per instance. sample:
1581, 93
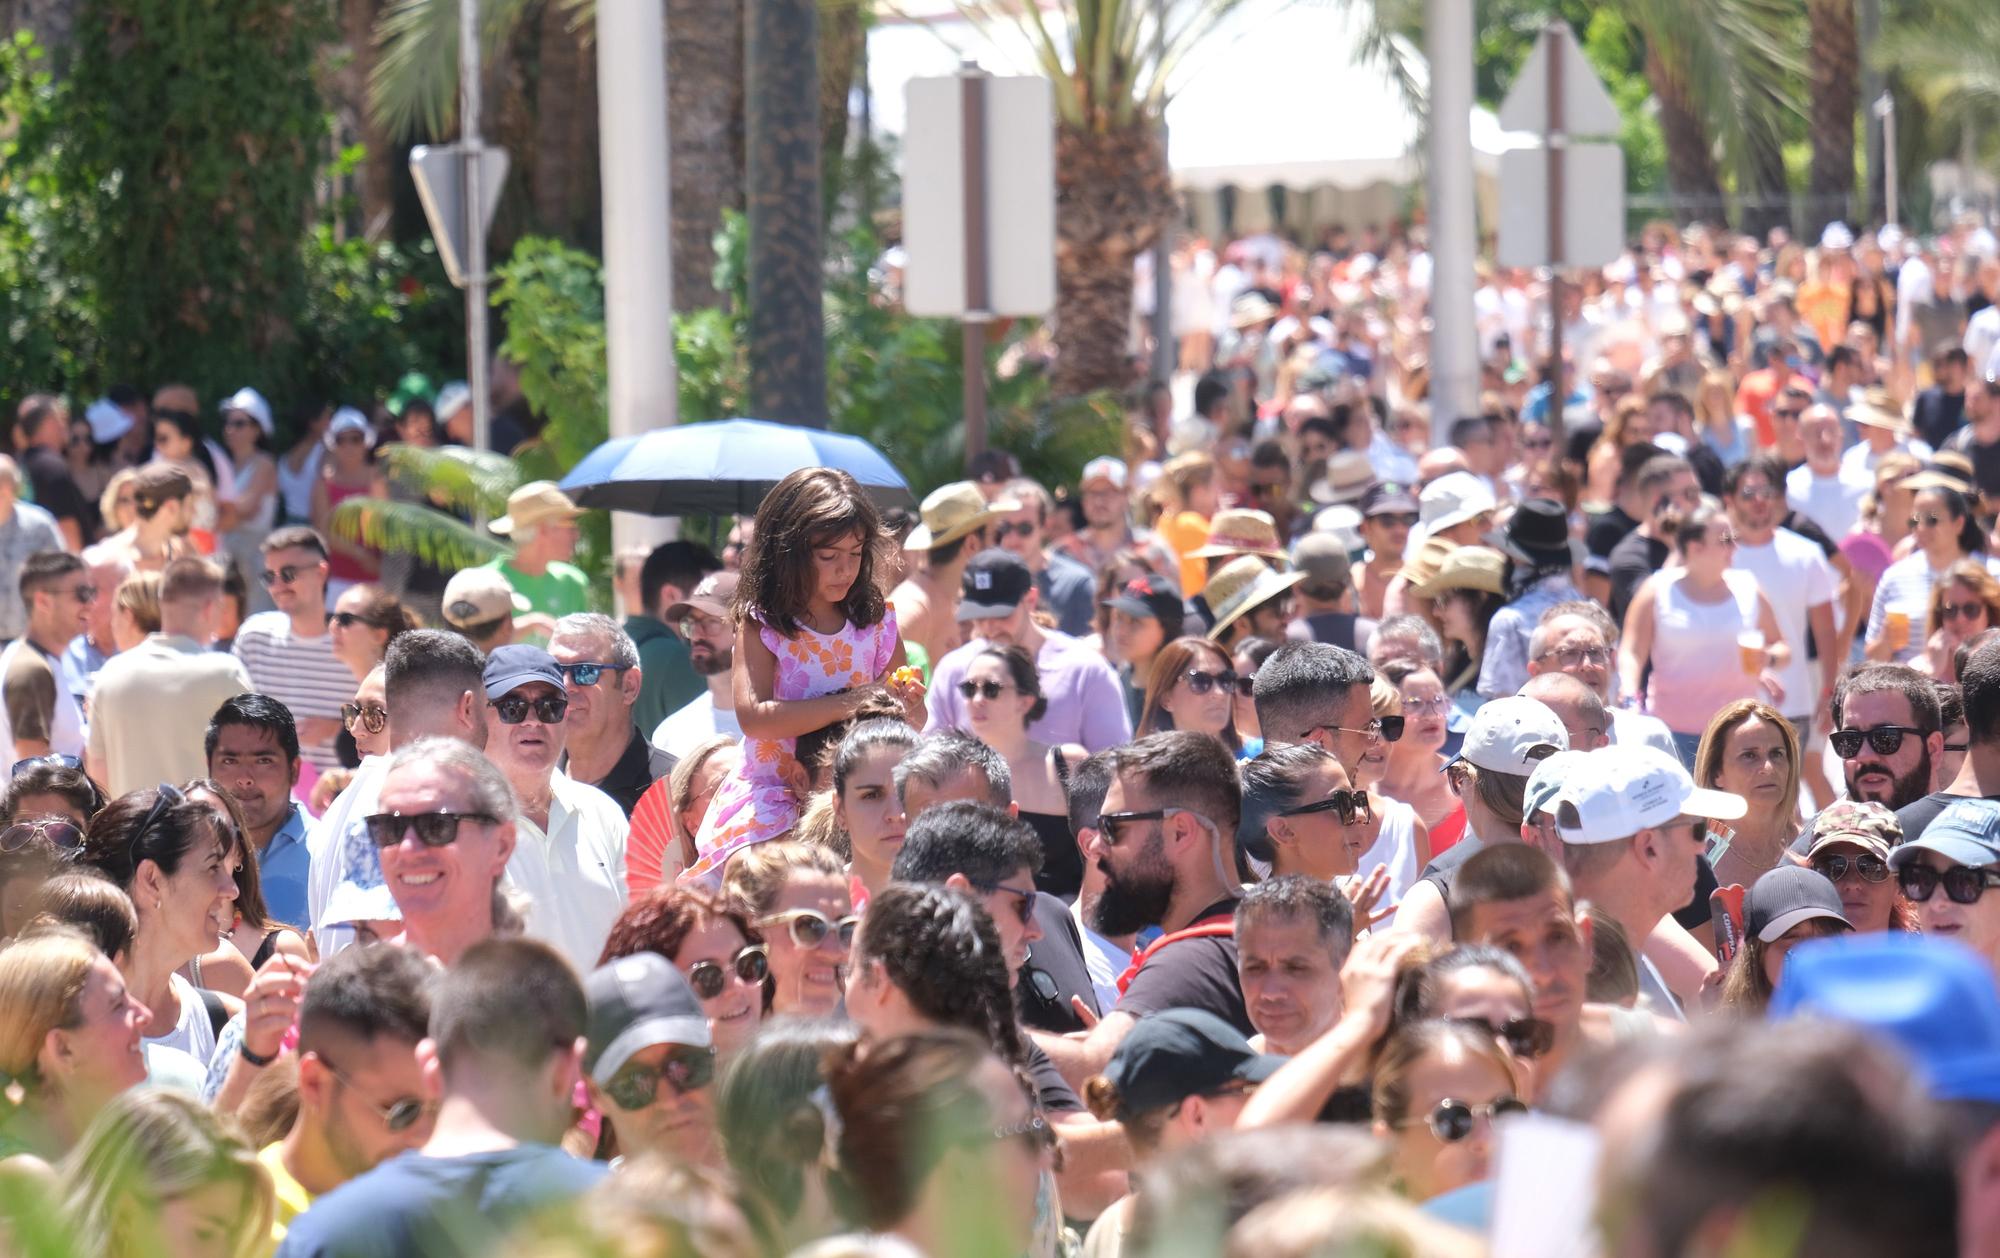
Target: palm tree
1836, 76
1947, 54
787, 332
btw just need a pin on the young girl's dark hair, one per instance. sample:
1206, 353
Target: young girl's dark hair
812, 507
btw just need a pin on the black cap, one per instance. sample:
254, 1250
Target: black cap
1178, 1053
1786, 896
517, 665
1151, 596
636, 1002
994, 584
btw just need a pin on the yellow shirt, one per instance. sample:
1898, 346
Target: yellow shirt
291, 1197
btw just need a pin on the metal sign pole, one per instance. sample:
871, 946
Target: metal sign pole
476, 366
972, 122
1555, 141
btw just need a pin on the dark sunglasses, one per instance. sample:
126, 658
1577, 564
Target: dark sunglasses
1351, 805
399, 1115
513, 709
433, 829
1394, 519
285, 576
347, 620
1387, 728
57, 830
1007, 528
708, 979
810, 927
1931, 520
55, 758
1452, 1120
84, 593
1526, 1038
1246, 684
685, 1070
990, 689
1834, 868
586, 674
372, 718
1024, 901
1201, 683
1962, 611
1884, 740
1964, 884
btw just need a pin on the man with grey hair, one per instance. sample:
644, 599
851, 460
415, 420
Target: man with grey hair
24, 529
1310, 692
1066, 586
1579, 638
952, 765
444, 832
601, 675
1407, 637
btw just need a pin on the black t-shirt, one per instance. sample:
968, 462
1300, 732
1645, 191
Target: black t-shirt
1916, 818
1607, 528
1052, 1091
641, 765
1985, 461
1696, 912
1633, 559
1054, 971
1442, 870
1937, 415
55, 489
1197, 973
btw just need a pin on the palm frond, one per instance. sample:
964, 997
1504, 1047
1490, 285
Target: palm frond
1951, 60
454, 477
1743, 60
413, 90
434, 538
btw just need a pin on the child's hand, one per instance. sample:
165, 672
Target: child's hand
906, 683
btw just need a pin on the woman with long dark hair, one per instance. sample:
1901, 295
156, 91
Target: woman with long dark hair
1191, 685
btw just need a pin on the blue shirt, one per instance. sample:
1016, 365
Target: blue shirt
283, 871
437, 1207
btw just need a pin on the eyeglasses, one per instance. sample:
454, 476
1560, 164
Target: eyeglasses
1386, 728
1246, 684
513, 709
398, 1115
1573, 656
1931, 520
371, 717
1351, 805
1436, 705
433, 829
83, 592
988, 689
1200, 683
700, 626
347, 620
1958, 746
1884, 740
1024, 901
1834, 868
1394, 519
1727, 538
1452, 1121
284, 576
1007, 528
810, 927
1963, 883
55, 758
1962, 611
1526, 1038
686, 1069
707, 978
586, 674
59, 831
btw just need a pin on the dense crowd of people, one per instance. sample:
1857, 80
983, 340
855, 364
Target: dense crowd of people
1324, 827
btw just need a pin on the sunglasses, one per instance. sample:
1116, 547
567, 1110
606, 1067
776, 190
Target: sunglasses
1386, 728
1024, 901
347, 620
1246, 684
810, 927
708, 979
1394, 519
1200, 683
1963, 883
1962, 611
1526, 1038
433, 829
1884, 740
1834, 868
685, 1070
1108, 823
1452, 1121
513, 709
398, 1115
586, 674
1007, 528
1931, 520
55, 758
285, 576
988, 689
58, 831
1436, 705
1351, 805
372, 718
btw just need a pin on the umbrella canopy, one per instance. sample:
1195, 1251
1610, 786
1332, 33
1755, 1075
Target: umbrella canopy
724, 467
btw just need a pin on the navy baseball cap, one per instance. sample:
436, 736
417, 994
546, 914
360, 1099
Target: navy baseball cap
1967, 832
1178, 1053
995, 582
635, 1002
517, 665
1934, 999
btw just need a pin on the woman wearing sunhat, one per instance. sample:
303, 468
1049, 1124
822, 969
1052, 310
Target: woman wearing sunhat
1250, 600
1465, 593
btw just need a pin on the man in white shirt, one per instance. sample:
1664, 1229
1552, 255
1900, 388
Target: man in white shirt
703, 621
569, 852
1795, 575
289, 652
1982, 330
1822, 489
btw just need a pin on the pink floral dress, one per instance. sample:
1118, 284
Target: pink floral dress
755, 803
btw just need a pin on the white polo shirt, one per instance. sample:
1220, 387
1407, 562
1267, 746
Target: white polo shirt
573, 875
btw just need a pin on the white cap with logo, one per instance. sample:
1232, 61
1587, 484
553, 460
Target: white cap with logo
1620, 791
1513, 735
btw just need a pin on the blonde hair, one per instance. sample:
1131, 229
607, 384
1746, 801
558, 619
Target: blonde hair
1384, 698
139, 596
107, 502
680, 792
1184, 473
819, 826
757, 875
147, 1148
41, 987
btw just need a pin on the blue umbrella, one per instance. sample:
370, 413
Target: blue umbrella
724, 467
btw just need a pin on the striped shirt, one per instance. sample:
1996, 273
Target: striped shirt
300, 673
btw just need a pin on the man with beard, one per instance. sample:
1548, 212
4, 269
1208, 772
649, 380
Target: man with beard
1887, 734
1163, 841
361, 1093
601, 676
703, 623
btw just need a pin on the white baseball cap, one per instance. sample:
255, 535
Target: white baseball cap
1452, 499
1623, 790
1512, 735
1104, 469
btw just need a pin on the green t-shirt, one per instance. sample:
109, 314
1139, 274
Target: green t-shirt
560, 591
